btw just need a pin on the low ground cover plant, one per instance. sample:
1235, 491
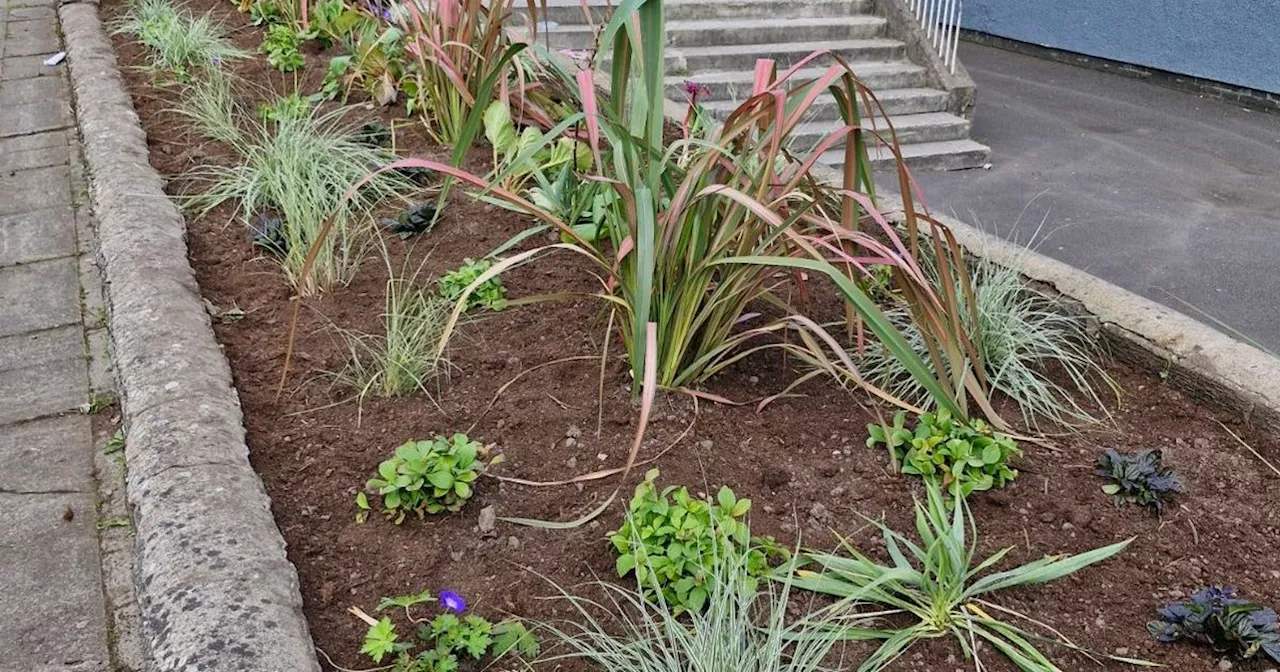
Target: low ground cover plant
1219, 617
440, 643
1138, 478
488, 294
427, 477
744, 626
670, 540
964, 457
936, 581
178, 43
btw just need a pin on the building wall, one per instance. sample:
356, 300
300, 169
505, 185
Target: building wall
1232, 41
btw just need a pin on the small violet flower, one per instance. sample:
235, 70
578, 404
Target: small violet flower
453, 601
694, 89
215, 60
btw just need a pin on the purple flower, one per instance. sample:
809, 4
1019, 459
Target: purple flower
694, 89
386, 15
215, 60
453, 601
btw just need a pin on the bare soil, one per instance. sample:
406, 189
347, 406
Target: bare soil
802, 460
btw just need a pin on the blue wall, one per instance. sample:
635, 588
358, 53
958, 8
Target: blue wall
1232, 41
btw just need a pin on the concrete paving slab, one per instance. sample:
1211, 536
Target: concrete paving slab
47, 454
22, 67
53, 580
28, 13
43, 390
28, 44
37, 236
38, 296
41, 347
46, 115
32, 151
31, 90
1167, 194
35, 189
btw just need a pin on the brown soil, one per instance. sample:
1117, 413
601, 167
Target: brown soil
802, 460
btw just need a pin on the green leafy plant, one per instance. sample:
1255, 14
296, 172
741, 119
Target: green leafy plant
1217, 616
671, 540
302, 168
518, 154
949, 451
1021, 334
1138, 478
374, 65
425, 477
333, 22
283, 47
487, 294
743, 627
934, 580
116, 442
589, 204
291, 107
441, 642
265, 12
178, 42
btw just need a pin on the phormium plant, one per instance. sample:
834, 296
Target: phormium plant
1217, 616
671, 540
948, 450
1138, 478
426, 477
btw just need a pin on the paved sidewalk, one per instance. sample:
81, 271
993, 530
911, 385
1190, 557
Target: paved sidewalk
1162, 192
54, 613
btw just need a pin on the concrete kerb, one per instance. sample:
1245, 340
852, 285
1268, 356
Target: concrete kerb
216, 590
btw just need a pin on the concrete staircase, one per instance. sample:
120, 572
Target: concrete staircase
716, 43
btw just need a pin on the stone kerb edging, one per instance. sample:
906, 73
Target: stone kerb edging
216, 590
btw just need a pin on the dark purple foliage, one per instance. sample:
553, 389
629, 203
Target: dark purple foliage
1138, 478
1217, 616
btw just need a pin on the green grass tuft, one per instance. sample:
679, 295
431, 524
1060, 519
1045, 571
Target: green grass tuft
177, 41
744, 628
1020, 331
300, 168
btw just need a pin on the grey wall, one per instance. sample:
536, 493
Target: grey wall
1232, 41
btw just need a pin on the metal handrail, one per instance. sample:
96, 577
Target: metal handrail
940, 20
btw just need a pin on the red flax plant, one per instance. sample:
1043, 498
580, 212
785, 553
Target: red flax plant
706, 229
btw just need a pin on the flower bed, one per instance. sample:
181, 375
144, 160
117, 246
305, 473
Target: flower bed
527, 382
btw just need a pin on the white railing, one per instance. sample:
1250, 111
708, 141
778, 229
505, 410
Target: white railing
940, 20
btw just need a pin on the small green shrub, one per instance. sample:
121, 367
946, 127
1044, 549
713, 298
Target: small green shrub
671, 540
490, 294
441, 642
1138, 478
948, 450
283, 47
427, 477
520, 153
177, 42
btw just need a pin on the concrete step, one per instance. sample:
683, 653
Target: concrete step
570, 12
895, 102
945, 155
911, 129
736, 84
715, 32
744, 56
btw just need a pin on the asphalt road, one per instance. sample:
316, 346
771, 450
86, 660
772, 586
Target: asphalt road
1168, 194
